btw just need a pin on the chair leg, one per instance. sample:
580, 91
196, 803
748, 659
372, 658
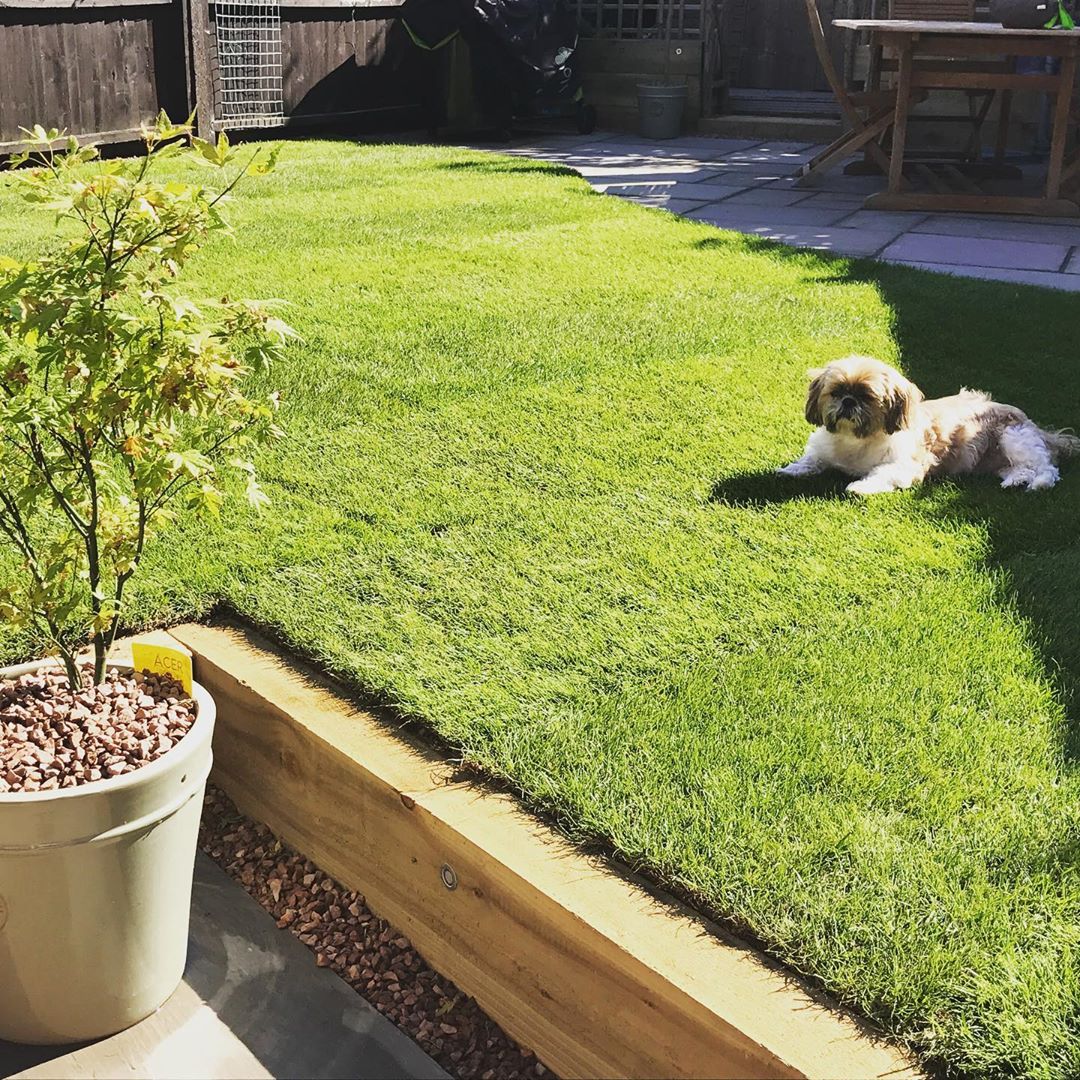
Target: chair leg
828, 152
845, 147
1004, 117
978, 120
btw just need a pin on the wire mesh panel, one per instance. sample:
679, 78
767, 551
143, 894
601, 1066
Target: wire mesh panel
640, 20
248, 64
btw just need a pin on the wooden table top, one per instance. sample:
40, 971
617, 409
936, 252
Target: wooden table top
962, 29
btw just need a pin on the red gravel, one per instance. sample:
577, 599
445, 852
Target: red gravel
51, 739
373, 958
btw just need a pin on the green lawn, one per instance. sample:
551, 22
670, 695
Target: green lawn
525, 498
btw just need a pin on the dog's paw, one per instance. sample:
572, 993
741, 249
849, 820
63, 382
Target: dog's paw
867, 486
1044, 479
1018, 478
797, 468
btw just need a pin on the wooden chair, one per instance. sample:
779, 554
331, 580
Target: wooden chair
868, 113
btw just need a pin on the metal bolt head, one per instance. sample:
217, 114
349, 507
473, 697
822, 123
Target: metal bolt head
449, 876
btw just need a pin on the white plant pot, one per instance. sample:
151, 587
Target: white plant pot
95, 890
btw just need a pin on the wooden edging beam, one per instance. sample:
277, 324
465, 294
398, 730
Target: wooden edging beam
596, 974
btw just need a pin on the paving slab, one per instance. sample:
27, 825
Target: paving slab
766, 196
854, 242
1073, 265
630, 156
777, 151
792, 182
704, 149
751, 172
546, 143
900, 220
756, 218
1065, 282
991, 227
1020, 219
700, 192
971, 251
662, 202
836, 181
622, 174
716, 144
252, 1004
834, 199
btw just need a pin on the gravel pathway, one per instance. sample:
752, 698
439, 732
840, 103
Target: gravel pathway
373, 958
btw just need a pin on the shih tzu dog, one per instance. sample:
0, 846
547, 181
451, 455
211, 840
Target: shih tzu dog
873, 424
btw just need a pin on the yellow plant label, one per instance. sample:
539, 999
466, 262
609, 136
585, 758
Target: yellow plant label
160, 659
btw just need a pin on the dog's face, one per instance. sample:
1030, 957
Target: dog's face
861, 396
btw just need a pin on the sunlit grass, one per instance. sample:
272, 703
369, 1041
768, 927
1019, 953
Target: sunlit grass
525, 498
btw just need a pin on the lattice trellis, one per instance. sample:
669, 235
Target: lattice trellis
248, 76
640, 20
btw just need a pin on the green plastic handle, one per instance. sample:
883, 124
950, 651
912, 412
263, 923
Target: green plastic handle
1062, 19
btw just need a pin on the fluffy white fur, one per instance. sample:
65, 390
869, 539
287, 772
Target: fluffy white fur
873, 424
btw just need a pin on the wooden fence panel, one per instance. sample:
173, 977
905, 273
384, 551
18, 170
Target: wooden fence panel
346, 63
105, 67
100, 69
770, 47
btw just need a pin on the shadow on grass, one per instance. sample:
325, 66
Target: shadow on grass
504, 167
757, 490
1008, 340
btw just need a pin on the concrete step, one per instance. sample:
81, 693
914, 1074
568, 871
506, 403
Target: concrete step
808, 129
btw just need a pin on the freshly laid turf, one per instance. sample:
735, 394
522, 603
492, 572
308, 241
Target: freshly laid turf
526, 498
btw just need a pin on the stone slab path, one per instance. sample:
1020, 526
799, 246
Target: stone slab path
748, 186
252, 1005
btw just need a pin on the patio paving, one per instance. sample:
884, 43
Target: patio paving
252, 1005
748, 187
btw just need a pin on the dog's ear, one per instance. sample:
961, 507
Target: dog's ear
901, 397
813, 397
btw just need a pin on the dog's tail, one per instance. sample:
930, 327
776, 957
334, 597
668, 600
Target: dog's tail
1062, 443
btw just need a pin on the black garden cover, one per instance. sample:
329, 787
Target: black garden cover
533, 41
541, 35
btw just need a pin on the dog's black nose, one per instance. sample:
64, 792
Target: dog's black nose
848, 402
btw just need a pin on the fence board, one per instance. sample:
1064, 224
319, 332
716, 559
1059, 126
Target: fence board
334, 65
107, 66
82, 5
767, 43
95, 69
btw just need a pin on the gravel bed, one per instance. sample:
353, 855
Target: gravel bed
51, 738
372, 957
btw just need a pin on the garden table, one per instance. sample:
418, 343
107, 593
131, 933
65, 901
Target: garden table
946, 56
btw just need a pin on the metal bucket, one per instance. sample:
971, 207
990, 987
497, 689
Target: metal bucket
660, 109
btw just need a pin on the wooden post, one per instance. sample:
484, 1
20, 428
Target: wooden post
200, 56
708, 59
189, 75
1066, 85
903, 105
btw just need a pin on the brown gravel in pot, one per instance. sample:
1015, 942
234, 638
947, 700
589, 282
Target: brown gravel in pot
372, 957
52, 739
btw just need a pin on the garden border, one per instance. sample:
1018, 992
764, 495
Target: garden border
591, 969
